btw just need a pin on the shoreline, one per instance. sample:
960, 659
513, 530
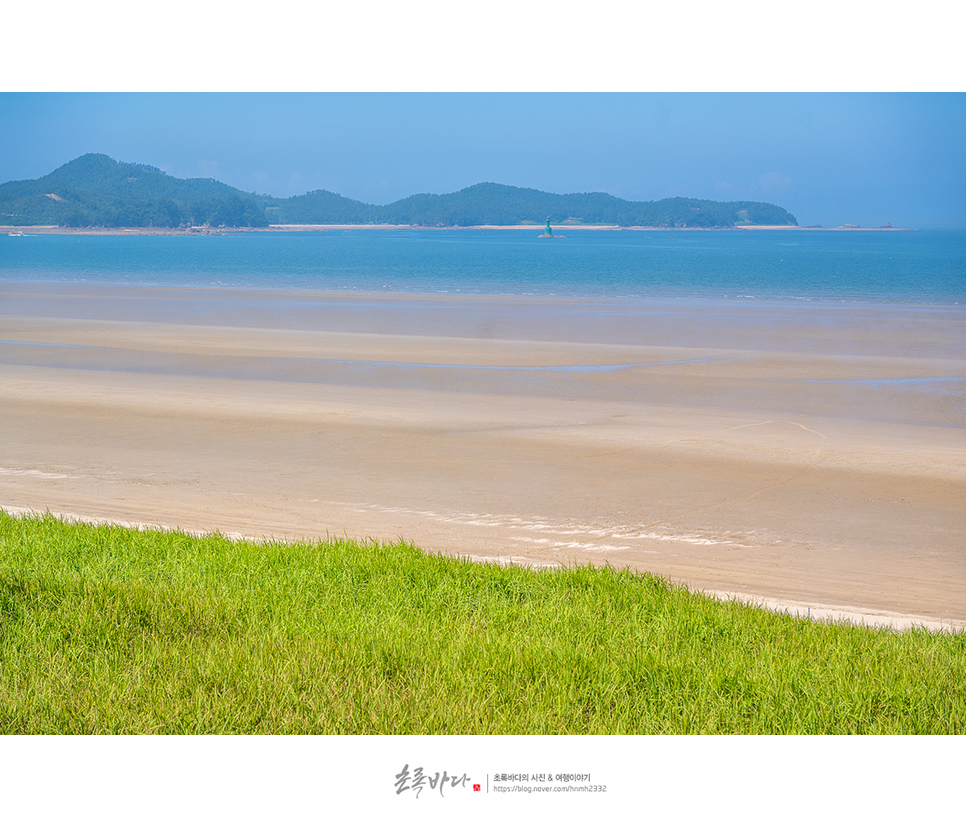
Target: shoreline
30, 231
730, 450
815, 611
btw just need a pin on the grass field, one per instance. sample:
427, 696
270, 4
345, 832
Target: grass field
105, 629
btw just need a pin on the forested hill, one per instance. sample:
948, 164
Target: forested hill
95, 190
506, 205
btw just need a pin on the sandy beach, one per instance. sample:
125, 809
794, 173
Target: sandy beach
808, 453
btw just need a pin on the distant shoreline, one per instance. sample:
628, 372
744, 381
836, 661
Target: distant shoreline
27, 231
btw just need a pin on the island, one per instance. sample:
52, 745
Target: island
95, 192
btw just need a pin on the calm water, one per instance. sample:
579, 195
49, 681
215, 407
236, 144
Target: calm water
910, 267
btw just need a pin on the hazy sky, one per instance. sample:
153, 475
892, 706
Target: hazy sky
829, 158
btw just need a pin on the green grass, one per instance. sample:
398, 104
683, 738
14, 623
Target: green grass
109, 630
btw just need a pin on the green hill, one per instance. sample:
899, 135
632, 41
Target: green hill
504, 205
318, 207
95, 190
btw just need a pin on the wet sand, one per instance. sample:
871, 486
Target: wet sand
808, 453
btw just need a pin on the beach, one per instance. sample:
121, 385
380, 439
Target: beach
811, 453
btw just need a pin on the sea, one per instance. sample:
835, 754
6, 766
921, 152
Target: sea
905, 267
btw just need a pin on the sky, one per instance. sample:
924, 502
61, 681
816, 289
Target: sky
892, 155
777, 128
828, 158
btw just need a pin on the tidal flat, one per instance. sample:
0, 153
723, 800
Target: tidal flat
809, 454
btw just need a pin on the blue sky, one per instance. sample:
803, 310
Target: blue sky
829, 158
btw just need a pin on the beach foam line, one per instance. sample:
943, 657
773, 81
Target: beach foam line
840, 614
31, 512
819, 612
35, 473
536, 524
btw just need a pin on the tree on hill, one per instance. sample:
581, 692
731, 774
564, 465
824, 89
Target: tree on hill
504, 205
95, 190
317, 207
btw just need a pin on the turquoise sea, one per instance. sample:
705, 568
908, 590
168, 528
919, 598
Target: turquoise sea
919, 267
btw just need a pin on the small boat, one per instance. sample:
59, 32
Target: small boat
16, 234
